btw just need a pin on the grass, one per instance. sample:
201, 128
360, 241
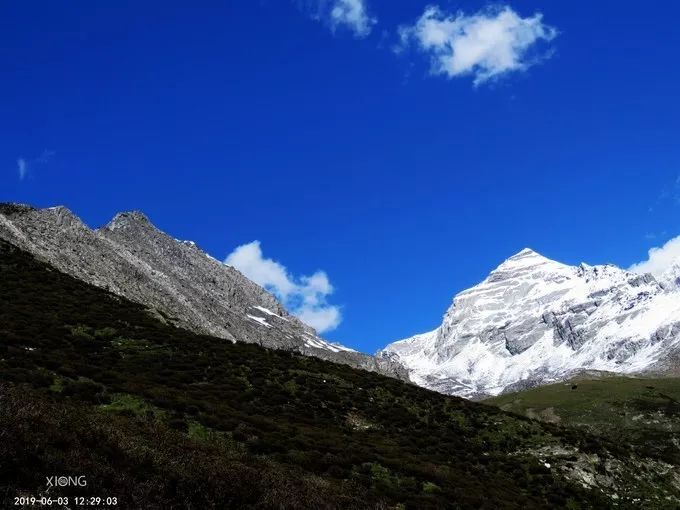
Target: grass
133, 406
644, 412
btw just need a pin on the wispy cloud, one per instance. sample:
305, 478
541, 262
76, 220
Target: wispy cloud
660, 259
670, 194
675, 192
24, 166
304, 296
485, 45
351, 15
45, 157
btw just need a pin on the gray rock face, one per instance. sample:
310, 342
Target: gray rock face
176, 280
535, 321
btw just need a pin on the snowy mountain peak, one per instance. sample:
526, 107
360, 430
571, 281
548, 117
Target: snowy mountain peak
527, 256
534, 320
525, 253
526, 261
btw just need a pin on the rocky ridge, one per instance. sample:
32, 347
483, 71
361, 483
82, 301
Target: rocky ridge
176, 280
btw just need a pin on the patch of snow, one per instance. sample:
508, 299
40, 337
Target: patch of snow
191, 244
319, 343
269, 312
341, 347
311, 341
259, 320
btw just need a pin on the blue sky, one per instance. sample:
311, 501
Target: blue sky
375, 148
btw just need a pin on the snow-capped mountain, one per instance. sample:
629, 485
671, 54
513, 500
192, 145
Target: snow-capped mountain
671, 277
534, 321
176, 280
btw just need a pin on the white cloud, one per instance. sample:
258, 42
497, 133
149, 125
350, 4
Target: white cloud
321, 318
265, 272
342, 14
305, 297
352, 14
486, 45
22, 166
660, 259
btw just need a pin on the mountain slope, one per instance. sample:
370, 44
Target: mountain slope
534, 320
641, 412
160, 417
177, 280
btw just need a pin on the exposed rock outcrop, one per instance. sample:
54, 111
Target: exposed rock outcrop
175, 279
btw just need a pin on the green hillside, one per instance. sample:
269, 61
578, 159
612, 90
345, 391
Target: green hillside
158, 417
644, 413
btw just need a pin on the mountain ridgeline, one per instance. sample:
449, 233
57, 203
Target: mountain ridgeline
175, 280
532, 321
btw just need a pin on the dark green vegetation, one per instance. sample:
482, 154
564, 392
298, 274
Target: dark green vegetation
644, 413
91, 384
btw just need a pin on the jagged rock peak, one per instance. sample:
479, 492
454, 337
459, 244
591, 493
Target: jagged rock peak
64, 216
128, 219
